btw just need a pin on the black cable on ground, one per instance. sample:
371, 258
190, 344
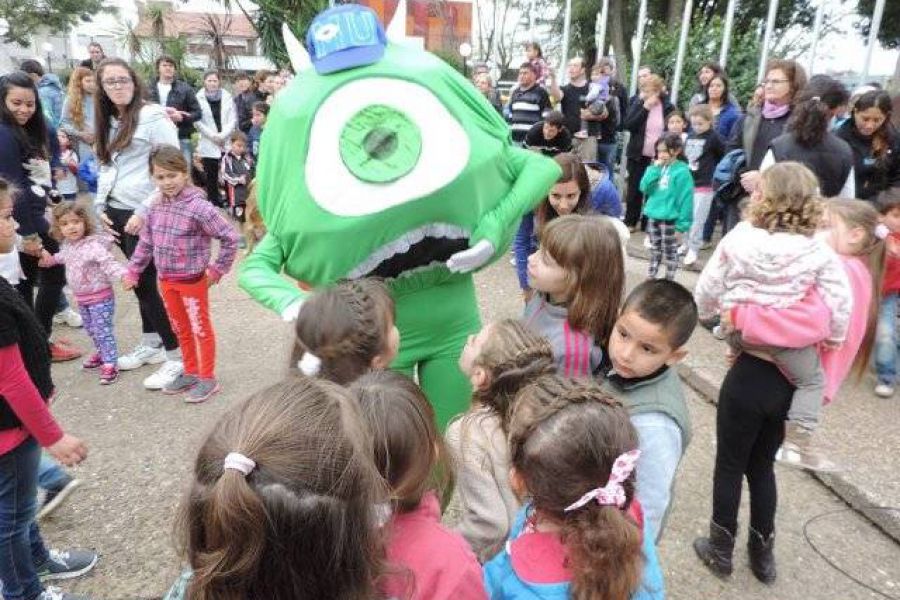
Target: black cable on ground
831, 563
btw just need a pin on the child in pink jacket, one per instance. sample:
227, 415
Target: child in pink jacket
426, 561
774, 261
90, 272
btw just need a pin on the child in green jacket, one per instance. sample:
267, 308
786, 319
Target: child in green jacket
669, 189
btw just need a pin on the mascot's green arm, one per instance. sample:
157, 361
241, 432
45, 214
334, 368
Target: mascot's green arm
534, 175
260, 276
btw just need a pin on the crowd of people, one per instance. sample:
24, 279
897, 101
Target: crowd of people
337, 482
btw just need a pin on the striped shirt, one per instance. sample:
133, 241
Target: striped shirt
178, 237
575, 352
526, 107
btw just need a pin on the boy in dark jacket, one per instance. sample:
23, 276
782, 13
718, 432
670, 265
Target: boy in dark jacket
179, 100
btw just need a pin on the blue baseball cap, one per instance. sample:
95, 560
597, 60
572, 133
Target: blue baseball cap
345, 37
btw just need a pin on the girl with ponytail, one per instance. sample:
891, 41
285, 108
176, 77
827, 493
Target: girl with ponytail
499, 361
345, 330
281, 506
580, 536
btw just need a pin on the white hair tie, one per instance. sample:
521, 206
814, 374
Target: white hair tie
239, 462
882, 231
309, 364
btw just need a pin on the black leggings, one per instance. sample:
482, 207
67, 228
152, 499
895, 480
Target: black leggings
211, 175
50, 282
153, 313
634, 199
753, 404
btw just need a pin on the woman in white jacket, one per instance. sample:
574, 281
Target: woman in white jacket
216, 124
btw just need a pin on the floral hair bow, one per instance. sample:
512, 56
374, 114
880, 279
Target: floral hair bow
611, 494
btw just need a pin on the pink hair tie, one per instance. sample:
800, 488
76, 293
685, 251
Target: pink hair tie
611, 494
882, 231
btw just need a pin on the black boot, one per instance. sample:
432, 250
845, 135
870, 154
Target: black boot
716, 550
762, 559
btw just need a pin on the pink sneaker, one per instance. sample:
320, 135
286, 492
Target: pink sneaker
108, 373
92, 362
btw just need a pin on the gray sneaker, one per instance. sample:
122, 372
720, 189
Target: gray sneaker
180, 384
54, 593
66, 564
201, 391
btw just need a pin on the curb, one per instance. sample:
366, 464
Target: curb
858, 498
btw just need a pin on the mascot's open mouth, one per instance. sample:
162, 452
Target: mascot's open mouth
415, 250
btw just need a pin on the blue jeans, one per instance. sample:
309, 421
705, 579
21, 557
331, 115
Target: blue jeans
51, 476
606, 155
186, 150
21, 548
886, 341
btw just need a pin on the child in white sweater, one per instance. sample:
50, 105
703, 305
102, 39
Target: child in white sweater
501, 359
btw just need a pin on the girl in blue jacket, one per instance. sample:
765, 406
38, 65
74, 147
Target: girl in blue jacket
573, 452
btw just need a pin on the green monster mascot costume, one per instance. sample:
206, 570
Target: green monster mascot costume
380, 160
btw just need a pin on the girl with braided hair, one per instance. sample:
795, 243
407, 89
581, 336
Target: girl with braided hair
429, 561
501, 359
346, 330
581, 534
774, 261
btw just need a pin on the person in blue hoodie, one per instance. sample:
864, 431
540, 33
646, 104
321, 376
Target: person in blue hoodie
725, 110
581, 534
49, 88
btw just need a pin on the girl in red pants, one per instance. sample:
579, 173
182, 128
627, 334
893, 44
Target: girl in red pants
178, 235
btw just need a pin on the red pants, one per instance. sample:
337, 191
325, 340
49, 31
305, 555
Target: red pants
187, 304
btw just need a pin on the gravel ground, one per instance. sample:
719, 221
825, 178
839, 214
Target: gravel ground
142, 445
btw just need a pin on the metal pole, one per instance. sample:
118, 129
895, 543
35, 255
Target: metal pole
817, 32
602, 18
567, 24
873, 38
682, 47
642, 20
726, 36
767, 39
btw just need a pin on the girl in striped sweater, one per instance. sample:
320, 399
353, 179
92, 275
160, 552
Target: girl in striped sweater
578, 275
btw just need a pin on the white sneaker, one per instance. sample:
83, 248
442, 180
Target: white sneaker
682, 250
647, 243
69, 317
690, 258
140, 356
883, 390
166, 374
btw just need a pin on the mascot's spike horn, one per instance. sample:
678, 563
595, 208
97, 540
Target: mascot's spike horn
396, 31
297, 53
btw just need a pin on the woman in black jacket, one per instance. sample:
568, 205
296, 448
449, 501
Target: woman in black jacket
25, 155
646, 120
809, 141
875, 144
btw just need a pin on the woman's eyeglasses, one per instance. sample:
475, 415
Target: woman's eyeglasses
117, 82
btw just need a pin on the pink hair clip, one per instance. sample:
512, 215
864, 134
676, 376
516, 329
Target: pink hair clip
611, 494
882, 231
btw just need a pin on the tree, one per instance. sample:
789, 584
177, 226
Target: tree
889, 33
26, 18
215, 29
664, 18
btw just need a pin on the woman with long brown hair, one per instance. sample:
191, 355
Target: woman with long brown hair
25, 154
875, 144
127, 129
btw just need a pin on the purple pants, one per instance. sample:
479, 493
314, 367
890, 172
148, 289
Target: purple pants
98, 322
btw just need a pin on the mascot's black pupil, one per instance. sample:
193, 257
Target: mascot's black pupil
380, 143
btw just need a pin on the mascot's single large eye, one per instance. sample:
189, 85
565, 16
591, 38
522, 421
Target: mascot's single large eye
378, 142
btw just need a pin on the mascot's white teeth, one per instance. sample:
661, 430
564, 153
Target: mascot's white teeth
394, 259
